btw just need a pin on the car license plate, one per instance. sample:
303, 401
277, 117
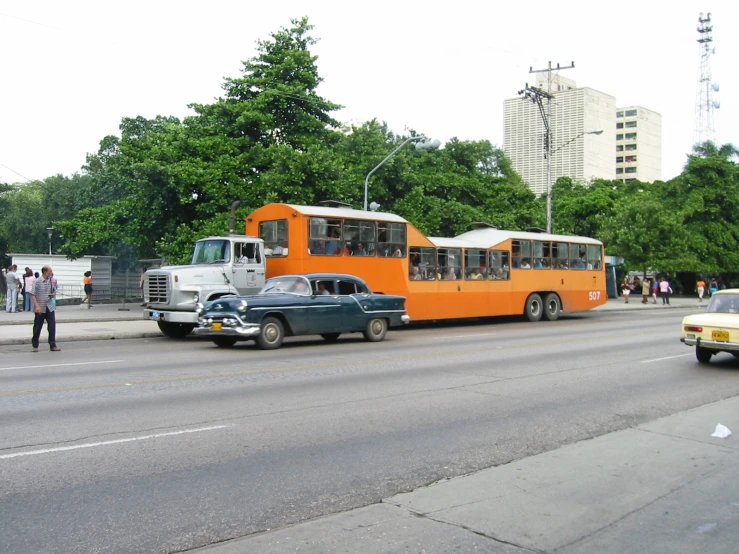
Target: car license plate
217, 327
154, 315
720, 335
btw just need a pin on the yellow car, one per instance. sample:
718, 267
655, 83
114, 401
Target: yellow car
717, 329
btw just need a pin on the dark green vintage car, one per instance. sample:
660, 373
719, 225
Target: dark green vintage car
326, 304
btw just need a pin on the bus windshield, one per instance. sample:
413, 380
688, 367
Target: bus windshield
211, 252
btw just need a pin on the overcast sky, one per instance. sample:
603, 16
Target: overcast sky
72, 69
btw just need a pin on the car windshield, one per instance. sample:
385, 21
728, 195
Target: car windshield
279, 285
211, 251
724, 304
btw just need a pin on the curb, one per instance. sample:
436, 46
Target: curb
80, 338
66, 320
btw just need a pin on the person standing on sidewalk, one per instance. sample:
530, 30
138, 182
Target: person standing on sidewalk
12, 282
664, 291
645, 287
700, 287
42, 295
627, 286
28, 280
87, 282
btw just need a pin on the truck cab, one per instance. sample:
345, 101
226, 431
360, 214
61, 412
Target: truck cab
220, 266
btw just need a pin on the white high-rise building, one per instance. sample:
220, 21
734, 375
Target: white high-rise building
576, 151
638, 144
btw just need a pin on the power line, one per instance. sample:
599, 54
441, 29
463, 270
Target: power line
14, 171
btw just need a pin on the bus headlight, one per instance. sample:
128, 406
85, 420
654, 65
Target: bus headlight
242, 306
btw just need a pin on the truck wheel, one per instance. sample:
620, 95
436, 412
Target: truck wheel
375, 330
175, 330
703, 354
224, 342
552, 307
534, 307
271, 334
330, 337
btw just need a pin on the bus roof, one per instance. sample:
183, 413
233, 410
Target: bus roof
487, 238
348, 213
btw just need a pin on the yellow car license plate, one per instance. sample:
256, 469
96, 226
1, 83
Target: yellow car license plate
217, 327
720, 335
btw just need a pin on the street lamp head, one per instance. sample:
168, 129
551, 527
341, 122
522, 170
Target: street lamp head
428, 145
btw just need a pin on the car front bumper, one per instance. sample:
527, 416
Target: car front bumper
405, 319
711, 344
230, 326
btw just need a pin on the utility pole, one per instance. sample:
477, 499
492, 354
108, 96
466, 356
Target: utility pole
548, 147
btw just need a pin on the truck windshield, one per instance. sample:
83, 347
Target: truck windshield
211, 251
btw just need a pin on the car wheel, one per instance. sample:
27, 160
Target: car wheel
552, 307
703, 354
224, 342
534, 307
375, 330
271, 334
330, 337
175, 330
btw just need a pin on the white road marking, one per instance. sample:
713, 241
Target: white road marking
466, 336
667, 358
105, 443
61, 365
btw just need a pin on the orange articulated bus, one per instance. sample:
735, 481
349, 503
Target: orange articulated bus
484, 272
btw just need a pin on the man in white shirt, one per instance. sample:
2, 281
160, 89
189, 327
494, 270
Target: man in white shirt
11, 296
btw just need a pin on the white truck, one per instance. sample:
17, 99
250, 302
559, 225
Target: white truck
220, 266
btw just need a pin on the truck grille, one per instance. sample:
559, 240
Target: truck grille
157, 289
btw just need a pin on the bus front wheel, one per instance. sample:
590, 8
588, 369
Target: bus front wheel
552, 307
534, 307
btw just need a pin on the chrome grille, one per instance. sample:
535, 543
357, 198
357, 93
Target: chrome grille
157, 289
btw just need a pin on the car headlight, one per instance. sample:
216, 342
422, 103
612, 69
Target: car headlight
242, 306
200, 307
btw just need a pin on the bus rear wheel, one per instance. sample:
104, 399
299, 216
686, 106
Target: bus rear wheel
552, 307
534, 307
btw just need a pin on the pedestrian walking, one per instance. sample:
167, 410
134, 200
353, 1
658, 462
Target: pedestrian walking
645, 287
713, 287
700, 288
627, 286
42, 295
655, 290
87, 282
54, 288
11, 291
664, 291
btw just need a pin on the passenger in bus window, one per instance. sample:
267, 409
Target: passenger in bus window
449, 274
348, 249
432, 274
497, 274
475, 274
415, 259
333, 244
415, 274
360, 251
525, 264
397, 252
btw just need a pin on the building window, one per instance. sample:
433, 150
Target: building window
630, 113
630, 170
631, 123
627, 181
619, 125
619, 170
619, 137
630, 158
619, 159
619, 114
631, 147
620, 148
630, 136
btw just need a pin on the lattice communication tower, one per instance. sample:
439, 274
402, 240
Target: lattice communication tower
704, 103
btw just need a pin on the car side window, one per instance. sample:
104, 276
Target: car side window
323, 287
347, 287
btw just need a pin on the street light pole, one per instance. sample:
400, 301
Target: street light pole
549, 153
431, 145
50, 230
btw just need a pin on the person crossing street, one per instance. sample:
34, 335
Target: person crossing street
42, 297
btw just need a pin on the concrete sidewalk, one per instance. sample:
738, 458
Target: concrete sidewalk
125, 321
662, 487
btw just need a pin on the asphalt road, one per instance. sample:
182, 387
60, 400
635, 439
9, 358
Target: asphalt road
163, 446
